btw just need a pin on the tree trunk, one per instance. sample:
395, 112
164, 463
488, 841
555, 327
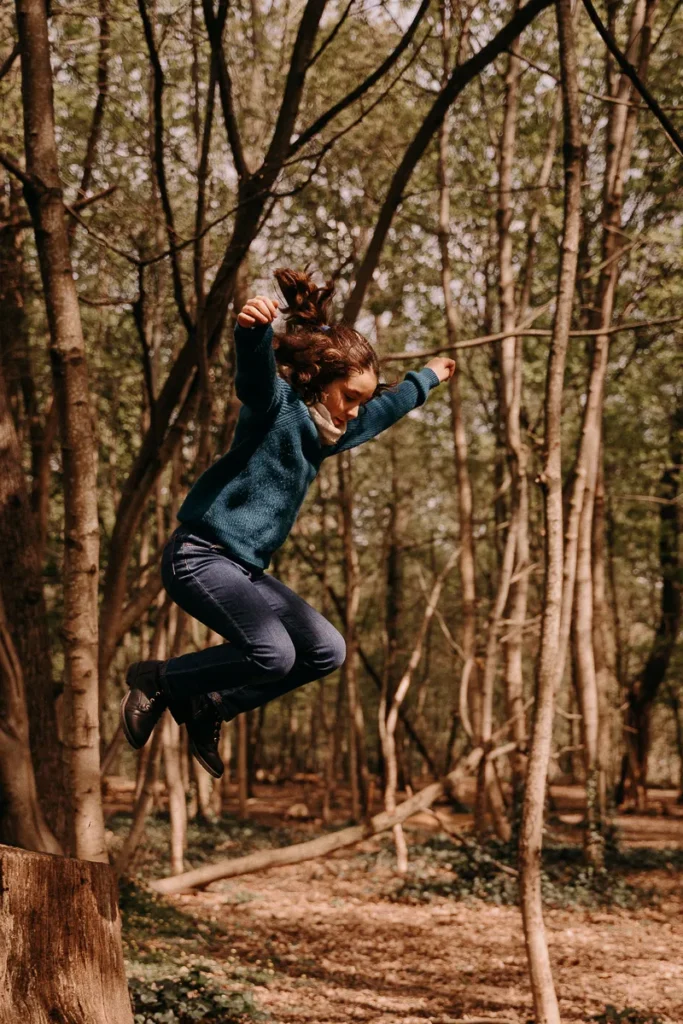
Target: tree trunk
586, 680
388, 713
619, 146
242, 767
468, 678
604, 645
70, 966
144, 800
517, 456
643, 690
358, 771
79, 450
21, 590
531, 835
21, 818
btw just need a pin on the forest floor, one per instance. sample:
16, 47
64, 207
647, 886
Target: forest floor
346, 939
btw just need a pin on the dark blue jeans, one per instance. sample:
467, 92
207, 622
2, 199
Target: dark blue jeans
276, 640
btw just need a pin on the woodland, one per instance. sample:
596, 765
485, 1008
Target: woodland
479, 817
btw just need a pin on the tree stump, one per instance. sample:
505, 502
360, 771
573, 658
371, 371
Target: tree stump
61, 959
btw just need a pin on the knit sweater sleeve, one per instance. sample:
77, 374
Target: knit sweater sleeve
256, 371
384, 410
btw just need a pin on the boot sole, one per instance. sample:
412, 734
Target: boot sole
207, 768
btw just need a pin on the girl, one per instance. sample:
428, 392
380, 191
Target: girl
306, 394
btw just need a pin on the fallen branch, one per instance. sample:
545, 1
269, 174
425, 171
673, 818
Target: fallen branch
323, 845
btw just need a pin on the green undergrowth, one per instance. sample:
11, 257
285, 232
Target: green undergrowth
627, 1016
442, 867
181, 969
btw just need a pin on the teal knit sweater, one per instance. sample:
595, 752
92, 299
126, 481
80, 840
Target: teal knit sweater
249, 498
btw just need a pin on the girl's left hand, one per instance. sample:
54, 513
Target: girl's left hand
442, 366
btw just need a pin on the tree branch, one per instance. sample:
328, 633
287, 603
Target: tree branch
323, 46
160, 167
532, 332
632, 74
6, 65
360, 90
462, 75
214, 27
11, 165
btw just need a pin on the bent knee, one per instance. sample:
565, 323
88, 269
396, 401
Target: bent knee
330, 655
276, 661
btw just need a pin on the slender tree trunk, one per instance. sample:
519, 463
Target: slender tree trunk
70, 380
517, 456
644, 688
389, 713
618, 153
604, 646
176, 792
468, 684
242, 767
175, 784
674, 702
143, 802
586, 680
578, 584
531, 836
358, 772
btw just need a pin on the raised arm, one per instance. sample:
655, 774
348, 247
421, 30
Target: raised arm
256, 371
380, 412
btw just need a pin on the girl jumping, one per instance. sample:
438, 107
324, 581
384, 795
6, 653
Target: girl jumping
306, 394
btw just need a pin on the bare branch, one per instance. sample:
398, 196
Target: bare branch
11, 165
461, 76
6, 65
160, 165
532, 332
360, 90
280, 144
633, 76
214, 27
102, 93
323, 46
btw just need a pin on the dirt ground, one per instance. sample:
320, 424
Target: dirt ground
326, 945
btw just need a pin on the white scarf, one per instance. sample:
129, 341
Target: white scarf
322, 418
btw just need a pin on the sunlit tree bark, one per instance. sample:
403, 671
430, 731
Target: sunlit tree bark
531, 836
70, 380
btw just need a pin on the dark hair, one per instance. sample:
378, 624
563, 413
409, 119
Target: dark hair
313, 352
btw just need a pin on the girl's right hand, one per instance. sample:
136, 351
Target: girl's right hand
443, 367
260, 309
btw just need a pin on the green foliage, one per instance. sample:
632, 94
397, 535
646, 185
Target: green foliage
440, 868
192, 996
172, 976
626, 1016
142, 912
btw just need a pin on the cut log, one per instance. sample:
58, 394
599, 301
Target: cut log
61, 959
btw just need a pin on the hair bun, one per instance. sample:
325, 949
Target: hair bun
307, 302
